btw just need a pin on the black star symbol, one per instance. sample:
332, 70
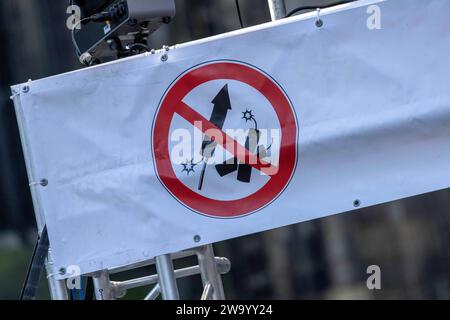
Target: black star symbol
189, 166
248, 115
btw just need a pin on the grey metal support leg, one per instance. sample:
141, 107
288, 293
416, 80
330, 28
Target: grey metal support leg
58, 288
102, 286
277, 9
210, 274
166, 278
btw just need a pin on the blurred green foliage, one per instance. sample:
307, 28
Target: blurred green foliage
13, 269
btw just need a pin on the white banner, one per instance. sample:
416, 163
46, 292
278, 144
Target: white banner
239, 133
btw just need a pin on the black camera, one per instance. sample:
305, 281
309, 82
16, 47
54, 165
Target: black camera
117, 28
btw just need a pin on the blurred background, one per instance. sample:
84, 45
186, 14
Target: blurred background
320, 259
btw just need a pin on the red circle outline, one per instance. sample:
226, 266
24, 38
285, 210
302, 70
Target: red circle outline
288, 148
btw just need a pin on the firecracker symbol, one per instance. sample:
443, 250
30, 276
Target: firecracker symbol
244, 171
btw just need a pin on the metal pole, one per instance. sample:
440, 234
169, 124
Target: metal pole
177, 255
102, 285
209, 272
154, 293
166, 278
207, 292
223, 266
57, 288
277, 9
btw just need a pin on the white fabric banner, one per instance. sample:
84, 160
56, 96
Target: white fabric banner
240, 133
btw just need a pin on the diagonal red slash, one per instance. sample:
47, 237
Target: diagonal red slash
227, 142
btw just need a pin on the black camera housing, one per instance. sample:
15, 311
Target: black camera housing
113, 24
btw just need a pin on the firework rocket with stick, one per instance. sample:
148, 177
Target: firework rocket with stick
221, 106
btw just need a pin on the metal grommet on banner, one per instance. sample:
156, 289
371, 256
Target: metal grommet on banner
43, 183
165, 56
24, 89
319, 21
61, 272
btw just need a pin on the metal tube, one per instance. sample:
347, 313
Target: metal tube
57, 288
177, 255
207, 292
166, 277
223, 266
102, 285
154, 293
152, 279
209, 271
277, 9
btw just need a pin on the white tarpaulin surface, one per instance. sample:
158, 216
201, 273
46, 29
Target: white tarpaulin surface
370, 109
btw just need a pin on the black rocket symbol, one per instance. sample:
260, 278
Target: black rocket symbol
221, 106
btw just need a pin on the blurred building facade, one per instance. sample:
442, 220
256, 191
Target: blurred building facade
325, 258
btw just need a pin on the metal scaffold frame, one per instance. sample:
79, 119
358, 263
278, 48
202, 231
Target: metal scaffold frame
209, 267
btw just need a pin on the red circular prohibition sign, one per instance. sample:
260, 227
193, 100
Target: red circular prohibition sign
288, 148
